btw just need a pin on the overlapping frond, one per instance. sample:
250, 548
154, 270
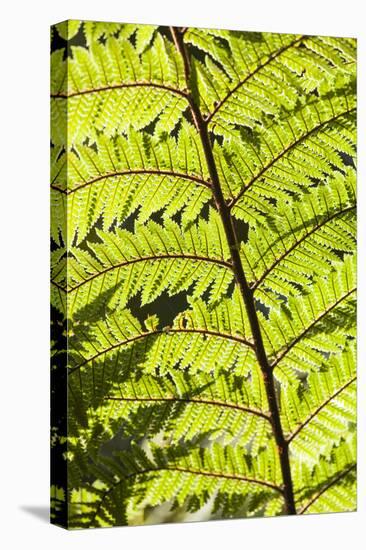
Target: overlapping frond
320, 412
248, 77
314, 325
302, 239
185, 477
188, 406
289, 156
331, 484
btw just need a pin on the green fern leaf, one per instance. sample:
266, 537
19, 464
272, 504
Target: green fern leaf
203, 274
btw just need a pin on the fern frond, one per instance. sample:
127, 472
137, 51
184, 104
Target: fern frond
244, 89
113, 78
198, 340
300, 334
331, 485
189, 478
320, 412
155, 409
116, 177
153, 259
203, 203
291, 155
97, 31
302, 238
68, 29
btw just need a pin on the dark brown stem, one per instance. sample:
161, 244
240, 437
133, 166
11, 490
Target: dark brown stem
246, 292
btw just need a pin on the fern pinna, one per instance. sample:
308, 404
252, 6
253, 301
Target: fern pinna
203, 274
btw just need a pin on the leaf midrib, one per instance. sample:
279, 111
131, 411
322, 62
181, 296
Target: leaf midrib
188, 400
137, 171
169, 331
172, 89
157, 257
